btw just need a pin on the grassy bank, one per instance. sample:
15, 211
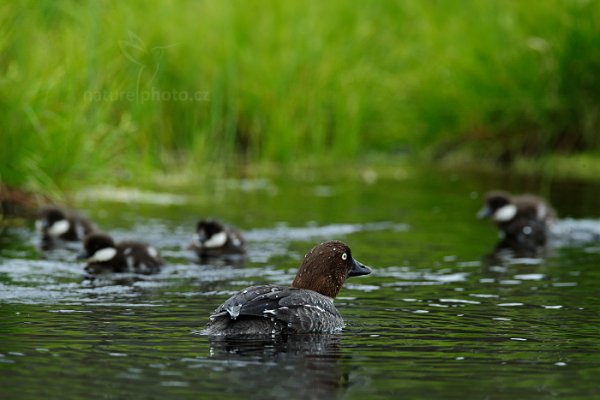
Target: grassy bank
103, 90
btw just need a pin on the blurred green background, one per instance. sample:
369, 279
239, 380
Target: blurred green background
96, 91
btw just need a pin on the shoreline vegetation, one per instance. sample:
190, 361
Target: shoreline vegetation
119, 92
22, 202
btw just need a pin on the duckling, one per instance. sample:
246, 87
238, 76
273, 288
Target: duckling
104, 255
213, 239
58, 227
522, 220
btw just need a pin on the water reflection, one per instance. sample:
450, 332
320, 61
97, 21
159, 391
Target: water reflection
231, 260
297, 366
99, 281
505, 252
563, 233
431, 320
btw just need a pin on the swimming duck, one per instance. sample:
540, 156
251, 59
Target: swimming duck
522, 220
104, 255
305, 307
214, 239
58, 227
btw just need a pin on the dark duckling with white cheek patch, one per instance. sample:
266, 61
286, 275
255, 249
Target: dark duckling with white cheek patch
523, 220
59, 227
104, 256
214, 239
305, 307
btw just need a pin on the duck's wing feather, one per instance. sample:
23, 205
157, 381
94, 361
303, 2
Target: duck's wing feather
299, 310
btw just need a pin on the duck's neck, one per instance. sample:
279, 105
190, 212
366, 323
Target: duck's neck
327, 285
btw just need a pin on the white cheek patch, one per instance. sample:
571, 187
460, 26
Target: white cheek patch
104, 255
59, 227
505, 213
216, 240
152, 252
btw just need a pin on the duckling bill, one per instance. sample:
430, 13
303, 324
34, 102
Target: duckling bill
305, 307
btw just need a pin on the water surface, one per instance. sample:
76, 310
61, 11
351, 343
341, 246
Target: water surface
438, 318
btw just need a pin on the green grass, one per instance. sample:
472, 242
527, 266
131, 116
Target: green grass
103, 90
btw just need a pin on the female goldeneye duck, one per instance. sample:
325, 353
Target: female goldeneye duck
521, 219
104, 255
57, 227
215, 239
305, 307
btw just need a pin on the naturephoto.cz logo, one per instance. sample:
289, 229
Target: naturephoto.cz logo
148, 62
145, 96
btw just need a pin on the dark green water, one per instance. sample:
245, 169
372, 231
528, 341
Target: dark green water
437, 319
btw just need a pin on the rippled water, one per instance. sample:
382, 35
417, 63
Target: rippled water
438, 318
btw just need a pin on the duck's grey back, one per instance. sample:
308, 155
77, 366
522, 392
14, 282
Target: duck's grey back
273, 309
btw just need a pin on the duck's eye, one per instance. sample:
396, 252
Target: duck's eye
345, 256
